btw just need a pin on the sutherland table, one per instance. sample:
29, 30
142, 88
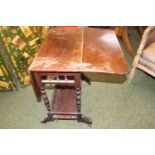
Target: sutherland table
63, 58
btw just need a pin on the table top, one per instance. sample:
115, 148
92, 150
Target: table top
80, 50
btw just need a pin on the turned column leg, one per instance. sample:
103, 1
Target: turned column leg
81, 117
45, 98
47, 105
78, 99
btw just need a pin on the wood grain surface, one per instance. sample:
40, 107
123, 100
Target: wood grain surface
80, 50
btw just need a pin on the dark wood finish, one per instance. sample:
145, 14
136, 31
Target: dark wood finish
102, 52
65, 55
35, 85
80, 50
66, 102
60, 102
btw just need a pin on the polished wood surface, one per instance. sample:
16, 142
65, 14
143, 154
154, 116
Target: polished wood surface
80, 50
64, 56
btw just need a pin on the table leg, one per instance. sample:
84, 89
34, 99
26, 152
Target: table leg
48, 118
85, 78
81, 117
85, 119
66, 103
45, 98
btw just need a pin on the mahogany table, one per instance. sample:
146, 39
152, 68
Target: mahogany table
63, 58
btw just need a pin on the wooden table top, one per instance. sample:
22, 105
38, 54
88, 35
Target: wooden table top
80, 50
